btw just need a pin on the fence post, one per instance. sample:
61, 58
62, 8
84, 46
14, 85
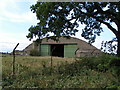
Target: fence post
52, 60
14, 59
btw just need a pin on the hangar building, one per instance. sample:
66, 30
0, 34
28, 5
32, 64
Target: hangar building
72, 47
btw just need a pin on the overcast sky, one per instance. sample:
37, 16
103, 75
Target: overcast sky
15, 20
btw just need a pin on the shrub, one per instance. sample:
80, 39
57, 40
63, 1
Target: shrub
115, 62
87, 72
115, 67
34, 53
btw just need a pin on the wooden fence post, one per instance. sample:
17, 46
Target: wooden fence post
14, 59
52, 59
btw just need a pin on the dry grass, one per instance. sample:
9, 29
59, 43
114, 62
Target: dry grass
34, 72
33, 62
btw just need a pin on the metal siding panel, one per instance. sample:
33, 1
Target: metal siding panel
69, 50
45, 50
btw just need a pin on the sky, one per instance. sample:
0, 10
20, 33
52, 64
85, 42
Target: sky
15, 20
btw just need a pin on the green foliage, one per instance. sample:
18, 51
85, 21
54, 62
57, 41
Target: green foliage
115, 67
109, 46
62, 18
34, 53
83, 73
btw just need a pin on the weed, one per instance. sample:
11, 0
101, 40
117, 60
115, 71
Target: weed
86, 72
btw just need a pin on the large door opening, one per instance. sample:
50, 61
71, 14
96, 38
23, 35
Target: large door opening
57, 50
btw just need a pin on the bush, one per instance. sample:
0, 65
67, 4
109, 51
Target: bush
34, 53
115, 67
115, 62
87, 72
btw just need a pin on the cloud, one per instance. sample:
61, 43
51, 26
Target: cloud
24, 17
7, 44
14, 11
11, 11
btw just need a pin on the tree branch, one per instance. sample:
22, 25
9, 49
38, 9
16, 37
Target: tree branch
107, 24
99, 20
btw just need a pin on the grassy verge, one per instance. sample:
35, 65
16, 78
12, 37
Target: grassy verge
36, 72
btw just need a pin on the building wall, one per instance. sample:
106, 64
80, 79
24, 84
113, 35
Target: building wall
87, 52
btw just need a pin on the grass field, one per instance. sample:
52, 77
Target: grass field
36, 72
31, 62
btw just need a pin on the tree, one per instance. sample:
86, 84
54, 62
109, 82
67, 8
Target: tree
109, 46
63, 18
